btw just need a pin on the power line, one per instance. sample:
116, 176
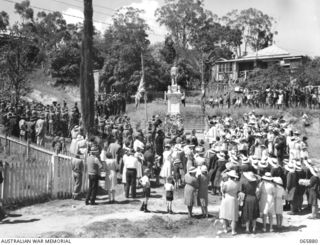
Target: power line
100, 6
50, 10
77, 6
74, 16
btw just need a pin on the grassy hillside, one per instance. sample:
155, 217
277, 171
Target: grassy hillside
43, 89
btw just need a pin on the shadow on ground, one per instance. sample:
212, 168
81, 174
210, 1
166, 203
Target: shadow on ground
19, 221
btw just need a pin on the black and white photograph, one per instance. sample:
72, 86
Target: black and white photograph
159, 119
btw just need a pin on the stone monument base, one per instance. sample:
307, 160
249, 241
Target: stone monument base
174, 99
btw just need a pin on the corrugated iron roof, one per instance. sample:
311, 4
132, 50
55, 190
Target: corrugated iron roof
273, 50
267, 53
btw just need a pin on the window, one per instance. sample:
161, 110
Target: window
225, 68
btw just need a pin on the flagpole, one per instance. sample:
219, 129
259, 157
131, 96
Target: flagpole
145, 92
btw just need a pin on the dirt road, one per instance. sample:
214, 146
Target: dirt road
69, 218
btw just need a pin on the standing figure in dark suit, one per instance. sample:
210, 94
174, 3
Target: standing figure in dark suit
94, 166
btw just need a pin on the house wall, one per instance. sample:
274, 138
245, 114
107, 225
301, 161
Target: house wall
218, 75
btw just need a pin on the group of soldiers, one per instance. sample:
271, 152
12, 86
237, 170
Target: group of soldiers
110, 104
33, 121
273, 98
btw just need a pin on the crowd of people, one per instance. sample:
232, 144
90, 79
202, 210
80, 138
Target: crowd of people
259, 165
34, 121
273, 98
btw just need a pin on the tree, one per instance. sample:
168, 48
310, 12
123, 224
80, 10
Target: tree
256, 27
125, 40
17, 56
233, 39
198, 38
4, 20
308, 73
178, 17
86, 71
65, 63
24, 10
274, 76
168, 52
50, 29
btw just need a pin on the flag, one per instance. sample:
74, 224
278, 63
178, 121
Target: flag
140, 90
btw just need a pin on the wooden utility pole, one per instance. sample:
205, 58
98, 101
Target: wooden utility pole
86, 71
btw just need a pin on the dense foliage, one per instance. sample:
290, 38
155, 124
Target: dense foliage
196, 39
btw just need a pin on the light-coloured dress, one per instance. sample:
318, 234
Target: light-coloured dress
140, 158
166, 169
267, 192
73, 145
190, 162
192, 184
111, 174
229, 208
279, 199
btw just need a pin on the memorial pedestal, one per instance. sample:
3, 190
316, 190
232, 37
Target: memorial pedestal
174, 99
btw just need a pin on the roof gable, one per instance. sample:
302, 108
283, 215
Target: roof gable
273, 50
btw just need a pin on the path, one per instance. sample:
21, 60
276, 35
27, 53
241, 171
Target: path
69, 218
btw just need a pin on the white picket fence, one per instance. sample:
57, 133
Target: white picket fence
35, 173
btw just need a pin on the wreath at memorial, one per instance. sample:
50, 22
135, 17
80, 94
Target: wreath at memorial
173, 124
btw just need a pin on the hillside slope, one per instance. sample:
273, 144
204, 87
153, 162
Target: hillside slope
44, 91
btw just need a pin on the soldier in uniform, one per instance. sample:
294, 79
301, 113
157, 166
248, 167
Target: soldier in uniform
31, 127
23, 127
40, 130
51, 121
101, 124
64, 122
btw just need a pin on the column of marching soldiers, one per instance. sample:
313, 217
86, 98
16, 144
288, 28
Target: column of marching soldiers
35, 122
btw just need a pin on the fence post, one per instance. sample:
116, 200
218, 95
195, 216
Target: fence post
6, 145
5, 183
28, 149
55, 176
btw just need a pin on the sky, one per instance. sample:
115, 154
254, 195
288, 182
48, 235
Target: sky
298, 21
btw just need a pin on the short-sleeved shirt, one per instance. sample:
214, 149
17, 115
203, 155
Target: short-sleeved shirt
145, 181
168, 187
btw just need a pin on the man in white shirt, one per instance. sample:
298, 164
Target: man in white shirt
129, 176
138, 143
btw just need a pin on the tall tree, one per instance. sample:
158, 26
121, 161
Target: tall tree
168, 51
17, 56
24, 10
86, 71
125, 40
256, 27
4, 20
178, 16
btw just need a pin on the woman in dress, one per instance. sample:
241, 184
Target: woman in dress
74, 134
250, 210
229, 209
103, 154
190, 159
166, 169
313, 187
111, 176
221, 166
266, 194
203, 190
280, 196
190, 189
